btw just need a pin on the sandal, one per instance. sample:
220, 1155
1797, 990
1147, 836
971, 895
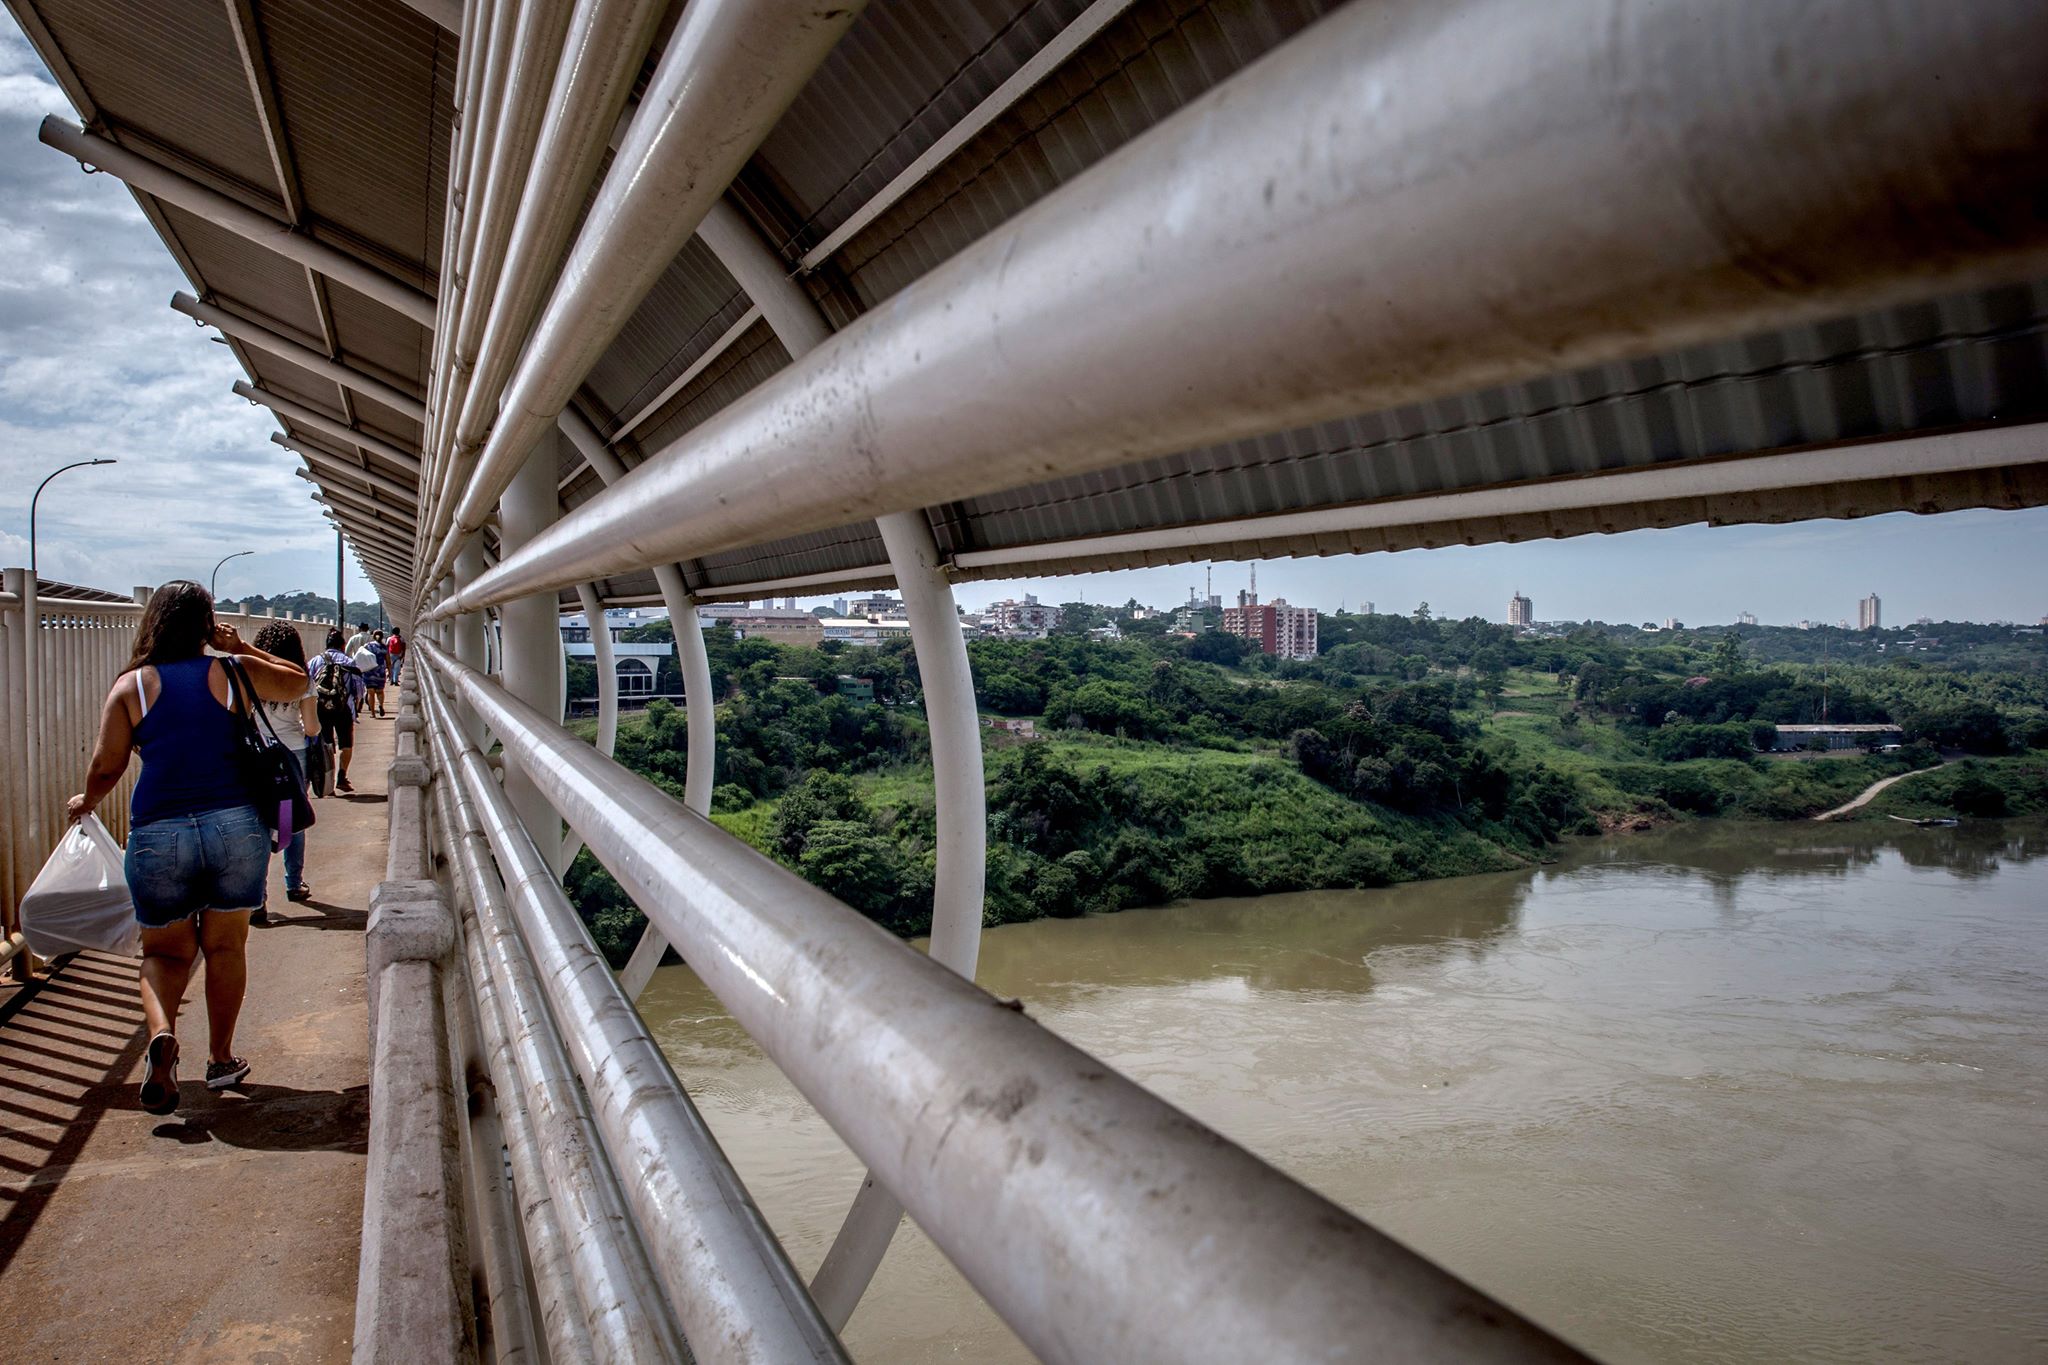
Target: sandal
160, 1074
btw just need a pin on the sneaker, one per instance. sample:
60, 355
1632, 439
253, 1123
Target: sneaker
221, 1075
160, 1074
301, 892
342, 784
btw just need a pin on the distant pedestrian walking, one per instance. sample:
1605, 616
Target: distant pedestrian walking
198, 849
370, 662
337, 692
297, 725
394, 649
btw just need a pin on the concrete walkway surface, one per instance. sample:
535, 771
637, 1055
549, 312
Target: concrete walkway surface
228, 1231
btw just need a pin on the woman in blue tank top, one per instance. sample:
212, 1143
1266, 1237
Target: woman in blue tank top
198, 852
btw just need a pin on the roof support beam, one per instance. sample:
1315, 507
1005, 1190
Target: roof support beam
1230, 281
232, 215
717, 348
401, 502
1043, 63
370, 537
320, 421
1908, 457
263, 339
321, 458
383, 517
446, 13
725, 79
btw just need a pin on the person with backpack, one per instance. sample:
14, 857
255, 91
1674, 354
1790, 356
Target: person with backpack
394, 649
337, 691
198, 849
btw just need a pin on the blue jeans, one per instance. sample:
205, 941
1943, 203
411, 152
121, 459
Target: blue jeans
295, 851
215, 860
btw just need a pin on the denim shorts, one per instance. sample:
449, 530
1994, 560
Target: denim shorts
215, 860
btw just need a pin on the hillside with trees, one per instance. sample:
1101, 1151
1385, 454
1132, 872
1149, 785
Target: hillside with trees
1164, 766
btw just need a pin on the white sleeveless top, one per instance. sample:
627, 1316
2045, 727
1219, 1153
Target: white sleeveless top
284, 718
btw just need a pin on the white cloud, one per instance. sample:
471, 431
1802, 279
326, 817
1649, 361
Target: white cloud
94, 363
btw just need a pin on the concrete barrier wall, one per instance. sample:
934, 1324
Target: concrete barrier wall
413, 1296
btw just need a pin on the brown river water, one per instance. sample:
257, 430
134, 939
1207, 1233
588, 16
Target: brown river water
1722, 1092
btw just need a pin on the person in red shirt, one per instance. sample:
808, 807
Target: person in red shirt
394, 648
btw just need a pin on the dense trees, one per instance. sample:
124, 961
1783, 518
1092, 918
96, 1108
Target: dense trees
1180, 766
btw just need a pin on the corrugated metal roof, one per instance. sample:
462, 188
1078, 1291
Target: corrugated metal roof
365, 90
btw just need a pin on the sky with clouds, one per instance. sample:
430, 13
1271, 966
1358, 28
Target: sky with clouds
94, 363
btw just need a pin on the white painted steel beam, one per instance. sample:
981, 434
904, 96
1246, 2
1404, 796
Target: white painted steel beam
384, 498
321, 422
1128, 1231
1069, 40
322, 458
607, 670
263, 339
369, 502
608, 42
446, 13
726, 76
530, 630
368, 515
802, 584
234, 216
1956, 452
723, 343
1228, 274
736, 1296
961, 799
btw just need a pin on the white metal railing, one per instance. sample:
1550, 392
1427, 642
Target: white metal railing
1405, 202
58, 658
1099, 1221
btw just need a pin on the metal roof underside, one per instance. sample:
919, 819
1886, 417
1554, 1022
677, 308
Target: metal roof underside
353, 151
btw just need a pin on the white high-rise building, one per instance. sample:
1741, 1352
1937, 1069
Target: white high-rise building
1869, 613
1521, 611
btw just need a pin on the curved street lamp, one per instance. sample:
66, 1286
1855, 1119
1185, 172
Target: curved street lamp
76, 464
215, 578
31, 692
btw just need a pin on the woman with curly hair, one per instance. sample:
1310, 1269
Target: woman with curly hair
297, 724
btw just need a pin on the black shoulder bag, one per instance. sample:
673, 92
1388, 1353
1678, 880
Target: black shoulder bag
268, 771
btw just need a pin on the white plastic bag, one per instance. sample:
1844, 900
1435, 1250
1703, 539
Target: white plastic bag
80, 898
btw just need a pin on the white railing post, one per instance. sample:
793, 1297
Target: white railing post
16, 869
531, 631
958, 790
33, 720
700, 708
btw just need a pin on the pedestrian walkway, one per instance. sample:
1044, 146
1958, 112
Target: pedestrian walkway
229, 1230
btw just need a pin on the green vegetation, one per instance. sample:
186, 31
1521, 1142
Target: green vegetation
1411, 748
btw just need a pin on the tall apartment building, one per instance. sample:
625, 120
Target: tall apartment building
1028, 617
1521, 611
1275, 627
1869, 613
1745, 618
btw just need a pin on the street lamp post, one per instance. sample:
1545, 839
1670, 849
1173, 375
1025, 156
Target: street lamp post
212, 581
31, 691
37, 497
